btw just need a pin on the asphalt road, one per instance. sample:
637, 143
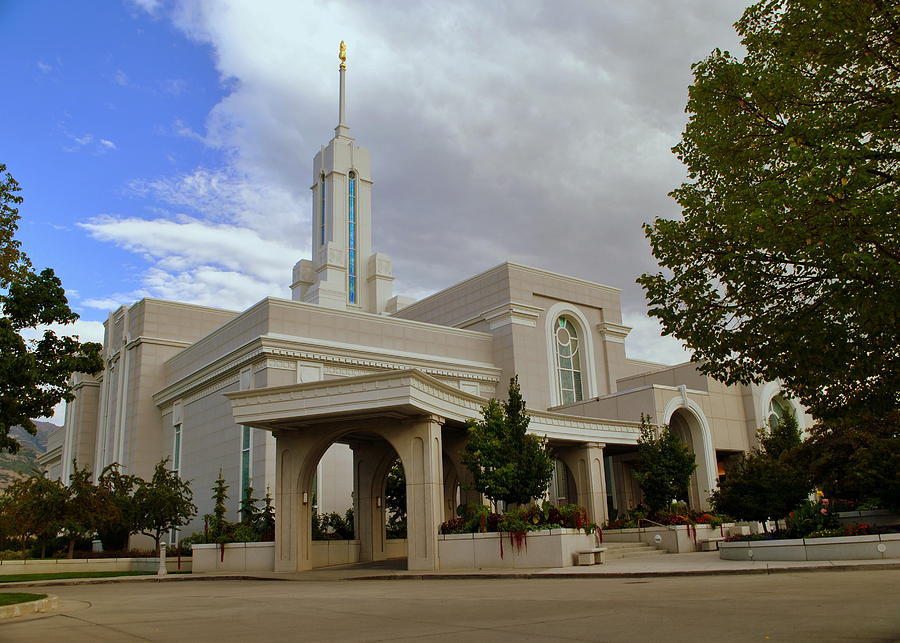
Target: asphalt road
802, 606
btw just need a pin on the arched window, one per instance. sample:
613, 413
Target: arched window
778, 409
568, 362
351, 240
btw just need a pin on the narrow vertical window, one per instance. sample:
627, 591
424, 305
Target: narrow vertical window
246, 473
351, 240
568, 362
176, 450
322, 212
176, 467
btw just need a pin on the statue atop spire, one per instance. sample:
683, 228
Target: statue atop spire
342, 129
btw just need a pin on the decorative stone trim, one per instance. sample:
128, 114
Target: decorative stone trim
285, 359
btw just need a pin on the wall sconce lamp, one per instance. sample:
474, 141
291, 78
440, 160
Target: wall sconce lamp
305, 498
378, 502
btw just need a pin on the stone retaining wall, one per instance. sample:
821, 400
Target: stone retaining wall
545, 548
62, 565
839, 548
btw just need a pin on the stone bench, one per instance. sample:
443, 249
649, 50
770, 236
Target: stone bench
595, 556
711, 544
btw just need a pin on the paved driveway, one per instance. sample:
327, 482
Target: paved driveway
802, 606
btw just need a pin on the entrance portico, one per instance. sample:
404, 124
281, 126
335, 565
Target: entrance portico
381, 416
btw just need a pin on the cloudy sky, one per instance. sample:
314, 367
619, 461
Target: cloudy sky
164, 147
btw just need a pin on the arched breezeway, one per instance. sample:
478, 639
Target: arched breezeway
383, 416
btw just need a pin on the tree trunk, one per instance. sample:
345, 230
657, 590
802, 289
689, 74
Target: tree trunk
71, 553
43, 549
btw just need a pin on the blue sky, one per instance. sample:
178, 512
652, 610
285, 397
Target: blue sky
95, 100
164, 147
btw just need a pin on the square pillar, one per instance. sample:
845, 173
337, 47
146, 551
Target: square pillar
586, 465
422, 461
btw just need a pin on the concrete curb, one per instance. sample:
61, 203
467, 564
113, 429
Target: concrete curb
672, 573
22, 609
128, 579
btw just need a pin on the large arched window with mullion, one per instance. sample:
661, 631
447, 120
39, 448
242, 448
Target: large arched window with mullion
568, 362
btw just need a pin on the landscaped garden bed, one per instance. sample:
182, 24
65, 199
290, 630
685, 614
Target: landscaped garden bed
530, 537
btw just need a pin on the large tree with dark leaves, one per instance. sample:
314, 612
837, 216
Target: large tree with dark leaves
33, 374
786, 263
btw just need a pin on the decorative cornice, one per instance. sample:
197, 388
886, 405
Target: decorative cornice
611, 332
277, 352
409, 392
505, 314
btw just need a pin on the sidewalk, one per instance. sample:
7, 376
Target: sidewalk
693, 564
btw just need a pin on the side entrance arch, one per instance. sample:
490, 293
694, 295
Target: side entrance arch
687, 421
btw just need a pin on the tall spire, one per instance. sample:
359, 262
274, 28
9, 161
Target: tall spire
342, 129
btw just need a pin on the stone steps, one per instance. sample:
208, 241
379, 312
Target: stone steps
631, 550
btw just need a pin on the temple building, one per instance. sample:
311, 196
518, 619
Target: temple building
314, 398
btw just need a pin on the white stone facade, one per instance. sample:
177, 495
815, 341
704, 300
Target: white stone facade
347, 363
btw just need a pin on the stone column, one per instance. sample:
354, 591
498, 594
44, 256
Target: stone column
371, 461
586, 464
422, 461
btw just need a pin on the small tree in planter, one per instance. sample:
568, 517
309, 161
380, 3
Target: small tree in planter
507, 462
664, 466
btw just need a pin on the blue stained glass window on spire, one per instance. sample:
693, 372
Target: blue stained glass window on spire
322, 212
351, 240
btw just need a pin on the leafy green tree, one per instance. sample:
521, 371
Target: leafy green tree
35, 508
785, 264
162, 504
87, 507
115, 527
855, 460
664, 466
507, 463
33, 374
395, 501
765, 483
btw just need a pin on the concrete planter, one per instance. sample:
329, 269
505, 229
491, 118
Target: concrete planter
325, 553
57, 566
873, 517
545, 548
238, 557
675, 539
840, 548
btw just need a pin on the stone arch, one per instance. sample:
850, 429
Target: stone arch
690, 422
416, 441
588, 367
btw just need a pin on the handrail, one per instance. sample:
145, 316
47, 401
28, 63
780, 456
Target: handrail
652, 522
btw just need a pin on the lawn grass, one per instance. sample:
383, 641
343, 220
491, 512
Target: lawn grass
19, 578
16, 597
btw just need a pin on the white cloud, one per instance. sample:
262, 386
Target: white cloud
86, 331
645, 341
44, 67
536, 131
90, 142
120, 78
